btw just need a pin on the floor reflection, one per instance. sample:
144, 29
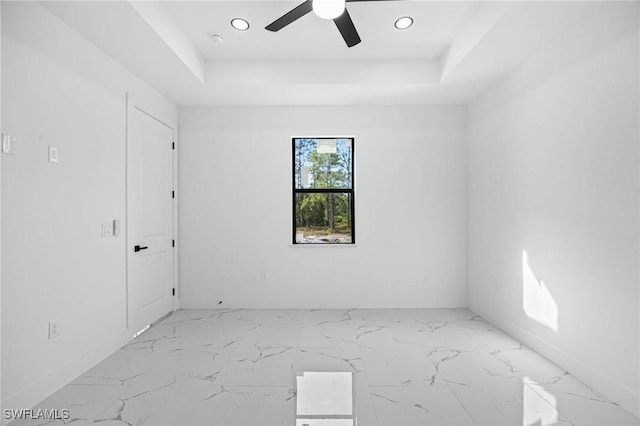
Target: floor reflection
537, 405
325, 399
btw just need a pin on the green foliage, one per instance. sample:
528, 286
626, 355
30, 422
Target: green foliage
304, 147
327, 171
313, 209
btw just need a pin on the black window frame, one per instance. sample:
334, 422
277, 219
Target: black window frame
350, 191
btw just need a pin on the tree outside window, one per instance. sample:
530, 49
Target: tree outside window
323, 197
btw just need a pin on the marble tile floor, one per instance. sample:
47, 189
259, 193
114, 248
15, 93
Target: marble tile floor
328, 368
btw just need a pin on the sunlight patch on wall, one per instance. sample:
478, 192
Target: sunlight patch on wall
537, 301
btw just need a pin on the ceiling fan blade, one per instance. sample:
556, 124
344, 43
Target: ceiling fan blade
294, 14
347, 29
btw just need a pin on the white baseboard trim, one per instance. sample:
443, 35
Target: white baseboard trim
622, 395
37, 391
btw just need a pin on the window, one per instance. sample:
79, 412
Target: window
323, 198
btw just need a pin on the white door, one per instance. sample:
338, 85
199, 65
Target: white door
149, 218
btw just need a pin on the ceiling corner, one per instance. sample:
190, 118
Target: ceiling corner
159, 19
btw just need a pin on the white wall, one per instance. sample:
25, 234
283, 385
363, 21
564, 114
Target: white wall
57, 89
1, 405
235, 209
553, 171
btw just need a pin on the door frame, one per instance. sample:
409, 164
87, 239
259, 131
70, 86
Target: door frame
132, 104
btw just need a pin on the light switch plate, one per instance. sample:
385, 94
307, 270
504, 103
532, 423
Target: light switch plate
107, 229
54, 329
8, 144
53, 154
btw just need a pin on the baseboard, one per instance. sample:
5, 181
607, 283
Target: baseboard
35, 392
608, 387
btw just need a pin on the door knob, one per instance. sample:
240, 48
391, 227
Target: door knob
138, 248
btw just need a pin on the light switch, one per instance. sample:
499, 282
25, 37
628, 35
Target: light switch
107, 229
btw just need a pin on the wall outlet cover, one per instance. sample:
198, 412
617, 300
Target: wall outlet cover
54, 329
8, 144
53, 154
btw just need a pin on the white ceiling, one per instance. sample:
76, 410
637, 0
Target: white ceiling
454, 50
310, 37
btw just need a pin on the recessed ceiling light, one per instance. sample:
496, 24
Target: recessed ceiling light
240, 24
404, 22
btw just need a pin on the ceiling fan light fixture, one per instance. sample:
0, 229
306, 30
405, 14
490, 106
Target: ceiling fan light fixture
328, 9
404, 22
240, 24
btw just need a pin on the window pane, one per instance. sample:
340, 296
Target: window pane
323, 163
323, 218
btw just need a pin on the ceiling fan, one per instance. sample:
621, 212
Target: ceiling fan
326, 9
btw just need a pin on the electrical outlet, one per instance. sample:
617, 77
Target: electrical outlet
8, 144
53, 154
107, 229
54, 329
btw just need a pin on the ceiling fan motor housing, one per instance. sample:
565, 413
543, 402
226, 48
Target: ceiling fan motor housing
328, 9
